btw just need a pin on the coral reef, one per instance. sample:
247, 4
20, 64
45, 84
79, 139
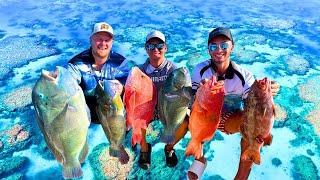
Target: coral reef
310, 92
16, 51
276, 162
19, 98
281, 113
313, 118
304, 168
105, 166
297, 65
280, 117
215, 177
159, 169
12, 164
154, 131
15, 176
14, 139
275, 23
16, 134
112, 168
310, 152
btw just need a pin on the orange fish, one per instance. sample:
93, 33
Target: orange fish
258, 119
140, 98
205, 115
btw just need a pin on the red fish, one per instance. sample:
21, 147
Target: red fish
205, 115
140, 98
258, 119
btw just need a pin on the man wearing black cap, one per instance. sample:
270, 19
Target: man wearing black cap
237, 83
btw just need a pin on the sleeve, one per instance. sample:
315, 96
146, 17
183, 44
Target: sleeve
249, 80
75, 72
123, 70
195, 78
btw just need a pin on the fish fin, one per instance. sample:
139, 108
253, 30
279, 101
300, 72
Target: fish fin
114, 152
194, 148
88, 113
84, 152
123, 156
250, 154
72, 171
167, 138
137, 125
48, 141
129, 100
72, 108
268, 140
264, 112
274, 109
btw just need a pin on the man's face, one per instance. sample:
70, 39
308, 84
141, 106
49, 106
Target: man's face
101, 44
220, 49
155, 48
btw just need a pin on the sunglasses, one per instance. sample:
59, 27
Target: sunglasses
151, 47
224, 46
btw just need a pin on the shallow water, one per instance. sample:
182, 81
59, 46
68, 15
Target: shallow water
279, 40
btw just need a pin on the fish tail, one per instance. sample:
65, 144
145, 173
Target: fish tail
194, 148
84, 152
72, 171
250, 154
136, 131
168, 136
114, 152
136, 139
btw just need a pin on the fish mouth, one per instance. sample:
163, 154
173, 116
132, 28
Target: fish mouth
50, 76
263, 84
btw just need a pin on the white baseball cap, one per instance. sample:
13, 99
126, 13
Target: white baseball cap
156, 34
102, 27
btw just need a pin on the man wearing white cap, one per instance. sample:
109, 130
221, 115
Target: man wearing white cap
99, 62
158, 68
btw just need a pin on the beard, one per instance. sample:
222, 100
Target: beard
101, 53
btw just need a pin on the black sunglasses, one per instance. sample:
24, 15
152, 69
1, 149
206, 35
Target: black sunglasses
151, 47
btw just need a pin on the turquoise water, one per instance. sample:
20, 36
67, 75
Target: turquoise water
277, 39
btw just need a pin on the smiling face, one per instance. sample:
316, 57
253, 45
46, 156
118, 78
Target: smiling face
156, 54
101, 44
221, 55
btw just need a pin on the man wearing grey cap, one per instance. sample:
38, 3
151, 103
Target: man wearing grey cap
237, 83
158, 68
99, 63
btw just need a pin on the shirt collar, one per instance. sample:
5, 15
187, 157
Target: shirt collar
229, 73
151, 69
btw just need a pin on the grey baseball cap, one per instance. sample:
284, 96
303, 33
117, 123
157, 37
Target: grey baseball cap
156, 34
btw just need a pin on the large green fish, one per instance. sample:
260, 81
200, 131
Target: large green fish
173, 100
63, 118
111, 114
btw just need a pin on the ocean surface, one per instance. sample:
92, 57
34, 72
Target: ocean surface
275, 39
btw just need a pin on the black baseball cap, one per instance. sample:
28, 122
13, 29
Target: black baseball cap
220, 31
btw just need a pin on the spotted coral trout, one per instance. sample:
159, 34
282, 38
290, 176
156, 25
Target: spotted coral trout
258, 119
